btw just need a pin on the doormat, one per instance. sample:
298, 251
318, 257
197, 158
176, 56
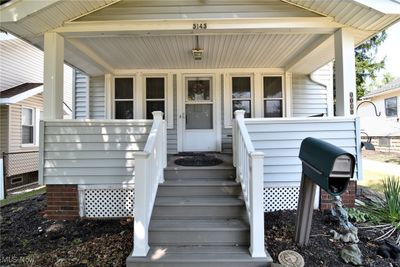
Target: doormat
198, 160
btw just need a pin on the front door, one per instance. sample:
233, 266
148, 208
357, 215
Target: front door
199, 129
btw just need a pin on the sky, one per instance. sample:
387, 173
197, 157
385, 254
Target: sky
391, 49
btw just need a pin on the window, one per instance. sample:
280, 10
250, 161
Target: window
273, 97
241, 95
155, 95
391, 107
27, 126
123, 98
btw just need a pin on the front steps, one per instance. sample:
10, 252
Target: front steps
199, 219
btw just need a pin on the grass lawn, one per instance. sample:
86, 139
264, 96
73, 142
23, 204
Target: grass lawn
19, 197
373, 180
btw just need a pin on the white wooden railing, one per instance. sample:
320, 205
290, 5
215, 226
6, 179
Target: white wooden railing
150, 164
250, 173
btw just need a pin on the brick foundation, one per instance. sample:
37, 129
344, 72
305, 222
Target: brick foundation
348, 197
62, 202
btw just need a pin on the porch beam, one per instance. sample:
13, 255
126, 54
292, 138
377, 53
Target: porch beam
53, 76
290, 25
345, 73
92, 55
297, 59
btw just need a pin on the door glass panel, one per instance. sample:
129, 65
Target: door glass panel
123, 88
242, 105
199, 116
199, 90
124, 109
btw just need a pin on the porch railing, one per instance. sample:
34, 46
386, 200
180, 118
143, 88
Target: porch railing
150, 164
249, 172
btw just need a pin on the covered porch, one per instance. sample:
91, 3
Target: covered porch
155, 78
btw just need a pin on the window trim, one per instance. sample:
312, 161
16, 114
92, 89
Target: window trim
134, 99
229, 117
34, 135
274, 98
396, 106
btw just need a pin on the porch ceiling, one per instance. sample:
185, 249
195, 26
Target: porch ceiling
174, 52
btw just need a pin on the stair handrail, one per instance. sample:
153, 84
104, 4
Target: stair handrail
149, 173
249, 173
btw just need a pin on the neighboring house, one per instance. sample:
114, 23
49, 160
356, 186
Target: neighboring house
384, 130
198, 62
21, 108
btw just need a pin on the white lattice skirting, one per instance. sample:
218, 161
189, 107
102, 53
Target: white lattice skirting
106, 201
280, 198
110, 201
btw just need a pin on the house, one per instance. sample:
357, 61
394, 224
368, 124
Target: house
383, 130
21, 108
200, 63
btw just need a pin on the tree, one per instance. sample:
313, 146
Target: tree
366, 65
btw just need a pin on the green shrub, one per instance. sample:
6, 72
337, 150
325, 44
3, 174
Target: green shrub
358, 215
388, 211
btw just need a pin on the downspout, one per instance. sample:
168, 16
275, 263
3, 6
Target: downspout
328, 84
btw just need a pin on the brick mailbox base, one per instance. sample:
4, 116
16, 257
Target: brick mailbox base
62, 202
348, 197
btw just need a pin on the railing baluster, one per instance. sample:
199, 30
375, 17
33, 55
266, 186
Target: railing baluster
250, 173
149, 173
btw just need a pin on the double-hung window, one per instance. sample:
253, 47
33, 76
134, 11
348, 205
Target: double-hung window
27, 126
155, 95
241, 95
391, 107
123, 98
273, 96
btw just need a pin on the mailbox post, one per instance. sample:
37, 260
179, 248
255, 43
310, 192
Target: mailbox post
325, 165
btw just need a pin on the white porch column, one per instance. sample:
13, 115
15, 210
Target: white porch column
53, 76
345, 73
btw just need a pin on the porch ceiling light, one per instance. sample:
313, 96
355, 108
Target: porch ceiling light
197, 52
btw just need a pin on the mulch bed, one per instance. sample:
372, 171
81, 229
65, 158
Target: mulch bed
322, 249
29, 239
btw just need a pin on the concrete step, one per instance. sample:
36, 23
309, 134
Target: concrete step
198, 207
199, 187
199, 232
214, 172
199, 256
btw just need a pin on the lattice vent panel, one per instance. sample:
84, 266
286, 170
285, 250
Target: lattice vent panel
108, 202
280, 198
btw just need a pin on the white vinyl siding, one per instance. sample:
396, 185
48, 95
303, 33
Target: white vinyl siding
309, 98
81, 86
15, 126
92, 152
141, 10
4, 124
97, 98
280, 139
23, 63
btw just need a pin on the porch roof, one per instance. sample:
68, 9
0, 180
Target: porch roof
103, 36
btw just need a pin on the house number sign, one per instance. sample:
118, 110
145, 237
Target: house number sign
199, 26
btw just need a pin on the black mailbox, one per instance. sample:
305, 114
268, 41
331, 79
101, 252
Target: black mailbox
327, 165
